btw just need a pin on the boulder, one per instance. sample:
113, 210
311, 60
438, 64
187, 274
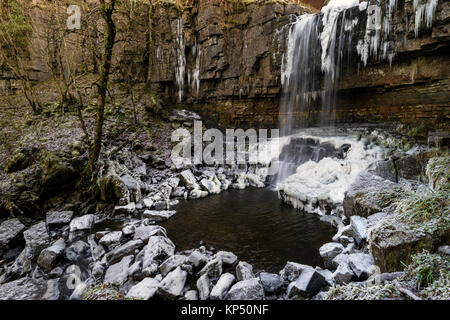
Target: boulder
292, 270
244, 271
157, 249
343, 274
171, 263
271, 282
246, 290
191, 295
210, 186
362, 265
10, 231
127, 209
37, 238
145, 232
222, 286
118, 273
359, 227
48, 256
197, 259
124, 250
392, 244
344, 231
78, 252
84, 223
23, 289
369, 194
226, 257
307, 284
135, 271
111, 239
213, 268
203, 287
187, 178
55, 218
171, 287
444, 250
158, 216
329, 251
144, 290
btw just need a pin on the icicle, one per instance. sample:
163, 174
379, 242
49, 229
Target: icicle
180, 70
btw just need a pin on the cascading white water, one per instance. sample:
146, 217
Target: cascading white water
180, 71
195, 75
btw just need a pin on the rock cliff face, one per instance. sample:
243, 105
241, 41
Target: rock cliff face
224, 58
232, 60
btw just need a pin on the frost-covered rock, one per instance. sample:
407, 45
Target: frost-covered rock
244, 271
187, 178
343, 274
226, 257
127, 209
84, 223
37, 237
144, 290
292, 270
145, 232
329, 251
158, 216
157, 249
48, 256
246, 290
210, 186
54, 218
197, 194
203, 287
191, 295
362, 265
118, 273
307, 284
222, 286
213, 268
111, 239
126, 249
359, 227
10, 230
171, 263
23, 289
171, 287
197, 259
272, 283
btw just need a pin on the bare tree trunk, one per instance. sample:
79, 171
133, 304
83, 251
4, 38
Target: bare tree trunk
107, 10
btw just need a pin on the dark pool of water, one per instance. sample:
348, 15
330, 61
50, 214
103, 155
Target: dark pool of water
254, 225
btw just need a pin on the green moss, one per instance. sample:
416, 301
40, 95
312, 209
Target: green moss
418, 132
18, 162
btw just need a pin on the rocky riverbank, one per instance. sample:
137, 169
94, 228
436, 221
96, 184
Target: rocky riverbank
394, 209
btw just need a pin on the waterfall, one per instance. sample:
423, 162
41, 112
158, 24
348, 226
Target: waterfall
195, 77
299, 71
180, 70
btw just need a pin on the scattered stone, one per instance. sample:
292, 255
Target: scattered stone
128, 209
111, 239
222, 286
197, 259
359, 227
23, 289
244, 271
48, 256
145, 232
362, 265
307, 284
171, 287
187, 178
210, 186
52, 292
157, 249
118, 273
128, 230
135, 271
10, 230
158, 216
58, 217
37, 237
144, 290
171, 263
191, 295
329, 251
148, 203
343, 274
292, 270
77, 250
83, 223
213, 268
343, 231
246, 290
126, 249
203, 287
271, 282
226, 257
